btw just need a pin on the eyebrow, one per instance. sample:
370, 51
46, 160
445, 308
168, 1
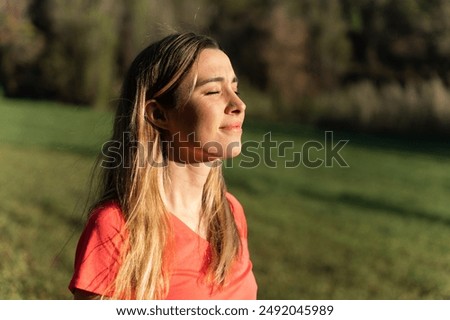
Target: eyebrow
215, 79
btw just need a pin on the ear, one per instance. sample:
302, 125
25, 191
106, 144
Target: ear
156, 114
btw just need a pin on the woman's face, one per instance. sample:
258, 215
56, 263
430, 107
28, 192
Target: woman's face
209, 126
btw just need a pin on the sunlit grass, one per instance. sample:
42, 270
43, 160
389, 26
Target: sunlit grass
41, 193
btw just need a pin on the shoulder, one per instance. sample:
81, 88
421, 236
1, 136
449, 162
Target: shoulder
106, 221
108, 213
238, 213
99, 250
235, 205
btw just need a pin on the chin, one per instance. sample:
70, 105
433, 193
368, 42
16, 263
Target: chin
233, 153
233, 149
222, 150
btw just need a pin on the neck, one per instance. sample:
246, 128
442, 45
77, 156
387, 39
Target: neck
183, 189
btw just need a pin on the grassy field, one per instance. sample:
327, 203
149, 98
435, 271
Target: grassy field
379, 229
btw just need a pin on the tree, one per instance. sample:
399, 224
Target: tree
20, 46
399, 40
307, 50
78, 62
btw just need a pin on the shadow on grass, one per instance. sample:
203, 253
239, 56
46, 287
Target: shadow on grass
357, 200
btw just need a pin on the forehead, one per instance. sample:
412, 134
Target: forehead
213, 62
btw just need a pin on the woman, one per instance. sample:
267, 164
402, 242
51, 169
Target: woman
165, 227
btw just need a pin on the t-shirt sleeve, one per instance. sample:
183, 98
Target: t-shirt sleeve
98, 253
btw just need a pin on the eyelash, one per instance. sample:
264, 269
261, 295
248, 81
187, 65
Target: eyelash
217, 92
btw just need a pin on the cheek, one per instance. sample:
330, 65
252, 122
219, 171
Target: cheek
182, 123
206, 125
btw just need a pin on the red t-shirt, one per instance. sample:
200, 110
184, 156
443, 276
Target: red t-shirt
98, 253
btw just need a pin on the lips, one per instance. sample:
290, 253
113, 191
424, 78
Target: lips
232, 127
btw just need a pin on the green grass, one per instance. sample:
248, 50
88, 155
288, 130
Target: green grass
379, 229
46, 154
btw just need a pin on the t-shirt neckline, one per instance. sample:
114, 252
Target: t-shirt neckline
187, 228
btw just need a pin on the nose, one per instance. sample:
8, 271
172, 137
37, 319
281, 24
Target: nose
235, 104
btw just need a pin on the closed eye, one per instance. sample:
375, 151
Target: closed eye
212, 92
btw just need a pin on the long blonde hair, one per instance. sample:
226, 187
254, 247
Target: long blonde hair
134, 179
